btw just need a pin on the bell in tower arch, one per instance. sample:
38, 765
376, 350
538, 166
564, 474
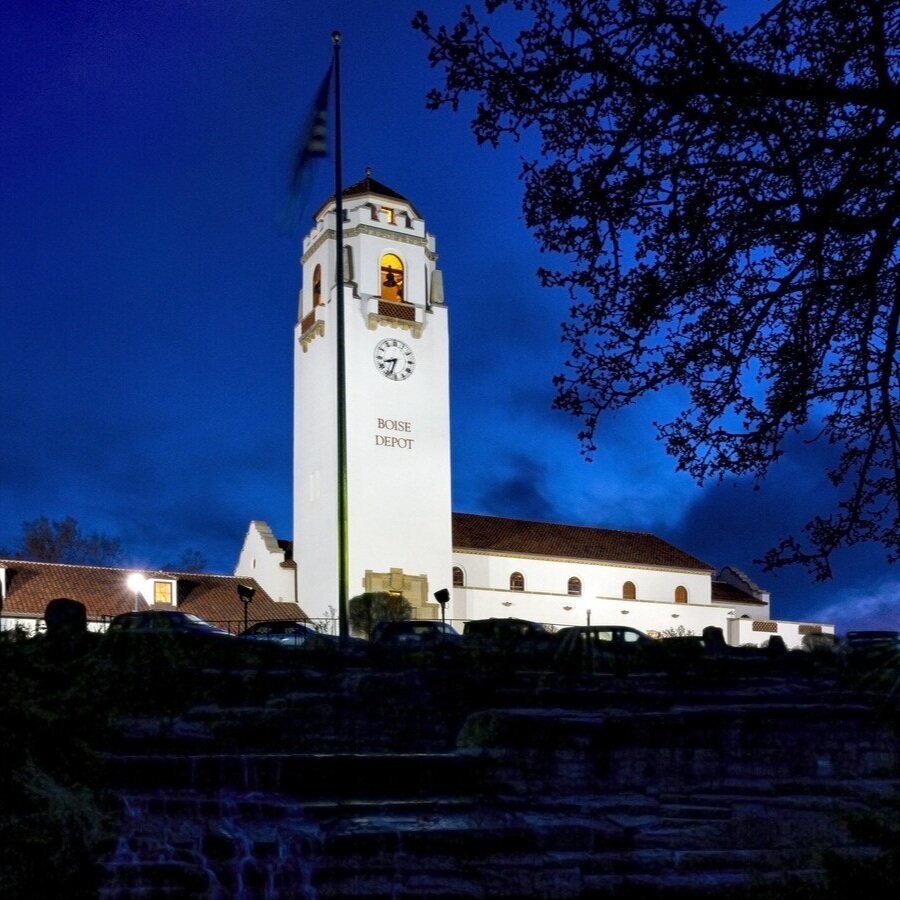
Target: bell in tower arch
391, 278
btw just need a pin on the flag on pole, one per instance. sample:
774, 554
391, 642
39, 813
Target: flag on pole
313, 141
312, 144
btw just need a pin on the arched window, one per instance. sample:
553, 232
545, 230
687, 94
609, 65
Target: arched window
574, 588
517, 581
391, 278
317, 286
681, 594
458, 578
629, 591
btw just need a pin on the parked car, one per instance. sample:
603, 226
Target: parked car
512, 630
519, 639
588, 648
863, 639
871, 648
289, 632
414, 633
294, 633
330, 644
158, 621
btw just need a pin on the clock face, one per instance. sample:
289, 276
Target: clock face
394, 359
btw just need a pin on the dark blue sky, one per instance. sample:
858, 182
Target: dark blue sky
149, 295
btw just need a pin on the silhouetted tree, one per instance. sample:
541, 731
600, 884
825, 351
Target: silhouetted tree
365, 611
64, 542
726, 201
189, 561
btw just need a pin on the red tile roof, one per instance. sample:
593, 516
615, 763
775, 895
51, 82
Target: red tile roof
723, 592
30, 586
368, 185
494, 534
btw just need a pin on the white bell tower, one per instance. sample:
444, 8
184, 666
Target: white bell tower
397, 407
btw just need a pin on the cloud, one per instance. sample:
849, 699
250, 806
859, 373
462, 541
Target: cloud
734, 523
521, 493
157, 483
872, 607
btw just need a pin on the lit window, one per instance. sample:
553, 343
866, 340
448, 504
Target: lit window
574, 587
391, 278
388, 214
629, 591
162, 592
681, 594
317, 286
517, 581
458, 578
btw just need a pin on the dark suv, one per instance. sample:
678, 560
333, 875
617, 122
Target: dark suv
589, 648
517, 639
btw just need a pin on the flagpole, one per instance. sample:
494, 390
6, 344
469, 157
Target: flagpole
343, 561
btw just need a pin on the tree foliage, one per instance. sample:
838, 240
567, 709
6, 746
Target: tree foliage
365, 611
725, 203
64, 542
190, 561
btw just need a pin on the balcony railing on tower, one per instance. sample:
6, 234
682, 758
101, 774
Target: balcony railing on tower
312, 325
395, 314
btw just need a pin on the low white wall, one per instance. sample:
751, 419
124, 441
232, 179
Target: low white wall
35, 625
742, 631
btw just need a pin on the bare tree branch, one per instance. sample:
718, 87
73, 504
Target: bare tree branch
754, 172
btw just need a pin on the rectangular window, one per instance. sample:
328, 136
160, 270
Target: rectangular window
162, 592
764, 625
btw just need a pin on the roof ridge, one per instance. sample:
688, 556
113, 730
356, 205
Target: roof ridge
126, 569
504, 534
562, 524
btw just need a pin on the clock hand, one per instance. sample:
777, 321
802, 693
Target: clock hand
393, 363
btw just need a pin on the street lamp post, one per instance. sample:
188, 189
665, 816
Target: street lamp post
246, 592
136, 583
443, 597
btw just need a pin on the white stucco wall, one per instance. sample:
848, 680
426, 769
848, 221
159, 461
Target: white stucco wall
263, 559
750, 610
545, 598
472, 603
741, 631
398, 432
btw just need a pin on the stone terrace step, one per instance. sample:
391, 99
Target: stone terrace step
398, 776
194, 844
275, 808
694, 812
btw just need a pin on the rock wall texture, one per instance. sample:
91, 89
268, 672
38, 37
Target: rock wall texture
444, 783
